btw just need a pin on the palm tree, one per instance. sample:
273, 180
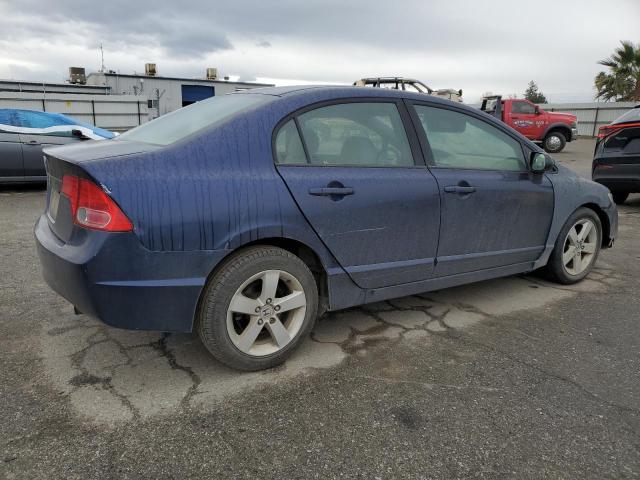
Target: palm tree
622, 83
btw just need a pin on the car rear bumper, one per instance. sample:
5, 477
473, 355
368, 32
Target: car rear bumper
623, 177
112, 277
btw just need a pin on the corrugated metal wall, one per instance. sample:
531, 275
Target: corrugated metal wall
591, 116
113, 112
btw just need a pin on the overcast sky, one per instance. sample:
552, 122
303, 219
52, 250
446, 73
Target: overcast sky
476, 45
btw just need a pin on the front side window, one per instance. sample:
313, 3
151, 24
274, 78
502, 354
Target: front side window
458, 140
357, 134
523, 107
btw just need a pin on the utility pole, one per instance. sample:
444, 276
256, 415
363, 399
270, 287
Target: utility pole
158, 96
101, 58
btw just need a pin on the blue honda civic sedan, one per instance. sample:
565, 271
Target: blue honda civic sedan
245, 216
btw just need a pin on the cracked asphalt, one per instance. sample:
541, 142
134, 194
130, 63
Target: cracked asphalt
511, 378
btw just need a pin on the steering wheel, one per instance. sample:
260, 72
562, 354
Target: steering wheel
390, 154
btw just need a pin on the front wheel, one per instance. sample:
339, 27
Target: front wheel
554, 142
257, 308
576, 248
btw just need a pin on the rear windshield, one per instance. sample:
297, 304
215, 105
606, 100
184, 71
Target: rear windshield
632, 115
181, 123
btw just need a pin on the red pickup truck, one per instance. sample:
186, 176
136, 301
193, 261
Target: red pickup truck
552, 129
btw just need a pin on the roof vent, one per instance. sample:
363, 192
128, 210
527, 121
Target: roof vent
212, 73
150, 69
77, 75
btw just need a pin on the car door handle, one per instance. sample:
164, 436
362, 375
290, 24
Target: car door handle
328, 191
33, 142
459, 189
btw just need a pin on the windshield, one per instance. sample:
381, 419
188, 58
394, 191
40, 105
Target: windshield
632, 115
45, 123
183, 122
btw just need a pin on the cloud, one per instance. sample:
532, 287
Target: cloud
476, 46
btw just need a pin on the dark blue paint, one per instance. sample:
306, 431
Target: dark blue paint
505, 220
194, 202
359, 228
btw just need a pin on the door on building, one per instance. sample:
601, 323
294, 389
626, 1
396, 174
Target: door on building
195, 93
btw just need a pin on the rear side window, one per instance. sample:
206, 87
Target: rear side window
458, 140
523, 107
289, 149
356, 134
183, 122
632, 115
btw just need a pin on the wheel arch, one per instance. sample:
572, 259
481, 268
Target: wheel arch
604, 221
558, 127
298, 248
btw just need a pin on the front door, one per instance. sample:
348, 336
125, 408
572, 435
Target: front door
523, 118
495, 212
356, 181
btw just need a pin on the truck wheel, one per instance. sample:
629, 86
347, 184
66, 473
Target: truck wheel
620, 197
554, 142
257, 308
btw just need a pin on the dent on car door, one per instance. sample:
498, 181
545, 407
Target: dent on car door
357, 182
32, 148
10, 155
495, 212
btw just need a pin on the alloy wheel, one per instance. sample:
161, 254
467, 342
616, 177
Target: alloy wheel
553, 143
580, 247
266, 312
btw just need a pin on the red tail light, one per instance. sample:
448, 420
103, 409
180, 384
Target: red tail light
92, 208
609, 130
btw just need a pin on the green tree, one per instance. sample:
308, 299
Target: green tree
533, 95
622, 82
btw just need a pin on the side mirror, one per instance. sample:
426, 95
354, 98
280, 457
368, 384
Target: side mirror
78, 133
537, 110
540, 162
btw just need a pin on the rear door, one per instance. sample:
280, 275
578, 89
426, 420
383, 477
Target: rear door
361, 183
10, 156
495, 212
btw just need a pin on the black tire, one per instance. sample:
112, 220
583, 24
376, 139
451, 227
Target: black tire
620, 197
211, 317
550, 144
555, 268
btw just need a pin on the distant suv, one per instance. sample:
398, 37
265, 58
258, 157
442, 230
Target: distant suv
552, 129
616, 161
23, 134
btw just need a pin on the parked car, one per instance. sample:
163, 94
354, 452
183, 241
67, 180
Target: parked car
23, 134
616, 161
409, 85
551, 129
246, 215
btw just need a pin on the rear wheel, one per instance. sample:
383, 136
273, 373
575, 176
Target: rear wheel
620, 197
257, 308
576, 248
554, 142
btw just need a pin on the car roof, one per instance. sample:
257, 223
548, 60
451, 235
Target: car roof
342, 91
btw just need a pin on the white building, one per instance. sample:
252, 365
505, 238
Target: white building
165, 94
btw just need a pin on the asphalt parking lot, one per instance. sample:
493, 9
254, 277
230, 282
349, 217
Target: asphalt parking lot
511, 378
